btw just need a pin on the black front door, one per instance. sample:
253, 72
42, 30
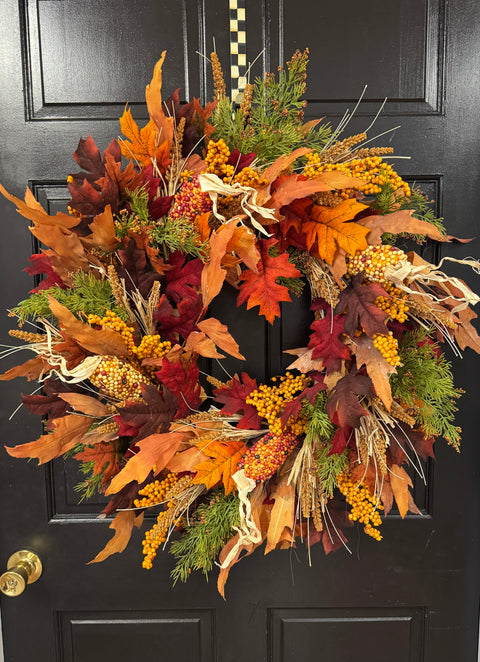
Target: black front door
68, 67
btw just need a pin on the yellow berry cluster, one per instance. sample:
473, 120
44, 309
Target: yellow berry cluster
373, 261
270, 400
387, 345
185, 175
249, 177
113, 321
267, 455
118, 378
152, 347
372, 169
395, 305
216, 160
365, 505
154, 493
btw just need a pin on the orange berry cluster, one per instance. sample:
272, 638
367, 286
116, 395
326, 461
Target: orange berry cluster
365, 505
387, 345
118, 379
113, 321
216, 160
395, 305
190, 201
154, 493
267, 455
249, 177
373, 261
372, 169
270, 400
156, 536
152, 347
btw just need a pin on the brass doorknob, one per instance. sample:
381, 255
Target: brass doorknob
23, 568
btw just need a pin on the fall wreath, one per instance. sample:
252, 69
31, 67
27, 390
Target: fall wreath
249, 197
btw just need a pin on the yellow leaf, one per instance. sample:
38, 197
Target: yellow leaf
223, 463
331, 228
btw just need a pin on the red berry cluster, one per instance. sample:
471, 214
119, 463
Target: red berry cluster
267, 455
190, 200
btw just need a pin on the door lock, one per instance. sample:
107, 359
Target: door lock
23, 568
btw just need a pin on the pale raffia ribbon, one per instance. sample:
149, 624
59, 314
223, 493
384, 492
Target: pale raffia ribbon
82, 371
213, 185
429, 274
248, 532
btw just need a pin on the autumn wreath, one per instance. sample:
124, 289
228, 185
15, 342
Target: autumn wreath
247, 197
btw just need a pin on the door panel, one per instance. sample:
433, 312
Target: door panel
72, 65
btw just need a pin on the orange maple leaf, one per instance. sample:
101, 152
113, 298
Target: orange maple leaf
262, 289
225, 457
330, 228
141, 144
122, 524
105, 458
153, 97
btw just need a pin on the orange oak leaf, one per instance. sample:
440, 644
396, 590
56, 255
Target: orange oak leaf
122, 524
31, 369
103, 342
34, 211
103, 230
198, 342
396, 223
400, 481
153, 97
213, 275
218, 332
222, 463
67, 432
262, 289
283, 513
85, 404
157, 449
331, 228
378, 368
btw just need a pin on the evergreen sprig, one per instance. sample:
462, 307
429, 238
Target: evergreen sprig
89, 295
208, 531
387, 201
178, 235
275, 121
92, 483
329, 466
424, 382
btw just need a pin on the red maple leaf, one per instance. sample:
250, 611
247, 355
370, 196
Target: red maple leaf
233, 396
41, 264
358, 301
181, 321
183, 278
155, 415
262, 289
183, 383
293, 407
343, 406
325, 341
